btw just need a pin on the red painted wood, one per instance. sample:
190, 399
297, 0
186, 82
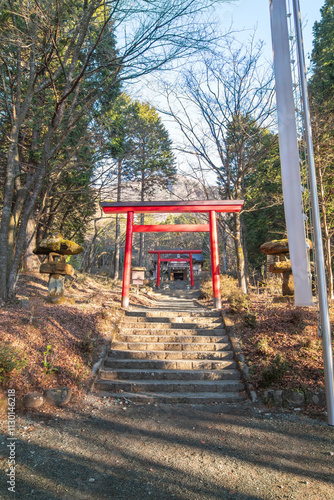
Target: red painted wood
173, 206
211, 206
191, 270
127, 261
174, 260
158, 271
171, 228
214, 259
174, 251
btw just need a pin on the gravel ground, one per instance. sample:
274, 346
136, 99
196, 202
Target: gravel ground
110, 449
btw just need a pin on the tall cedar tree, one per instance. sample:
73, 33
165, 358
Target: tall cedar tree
150, 161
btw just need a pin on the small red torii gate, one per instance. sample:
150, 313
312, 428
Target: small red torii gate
208, 206
169, 252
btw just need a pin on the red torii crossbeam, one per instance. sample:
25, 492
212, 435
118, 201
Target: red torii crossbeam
175, 252
208, 206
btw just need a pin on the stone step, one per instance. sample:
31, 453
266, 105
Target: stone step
173, 308
171, 346
171, 355
138, 322
191, 355
197, 386
153, 337
188, 398
144, 374
170, 364
174, 331
169, 314
172, 326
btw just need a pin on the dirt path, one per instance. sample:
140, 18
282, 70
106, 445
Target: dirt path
107, 449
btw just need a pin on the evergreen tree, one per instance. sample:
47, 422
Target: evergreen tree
117, 125
57, 66
263, 208
321, 89
150, 161
232, 96
322, 81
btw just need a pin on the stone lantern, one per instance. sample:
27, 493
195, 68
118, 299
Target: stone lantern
280, 249
56, 248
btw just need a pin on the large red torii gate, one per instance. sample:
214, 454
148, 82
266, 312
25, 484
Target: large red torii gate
175, 252
208, 206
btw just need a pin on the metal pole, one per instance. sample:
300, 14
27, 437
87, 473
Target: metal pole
319, 253
127, 261
215, 261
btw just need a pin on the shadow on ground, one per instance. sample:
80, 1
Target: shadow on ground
107, 449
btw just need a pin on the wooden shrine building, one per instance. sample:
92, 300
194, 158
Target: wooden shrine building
174, 257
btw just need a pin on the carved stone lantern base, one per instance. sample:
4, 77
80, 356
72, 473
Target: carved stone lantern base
287, 284
56, 248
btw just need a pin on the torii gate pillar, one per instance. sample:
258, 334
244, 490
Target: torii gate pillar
217, 303
208, 206
127, 261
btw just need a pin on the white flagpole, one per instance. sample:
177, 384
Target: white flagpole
319, 253
289, 155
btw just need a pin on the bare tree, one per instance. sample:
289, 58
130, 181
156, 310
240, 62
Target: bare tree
56, 63
223, 107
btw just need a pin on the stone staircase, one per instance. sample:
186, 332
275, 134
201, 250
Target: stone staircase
175, 353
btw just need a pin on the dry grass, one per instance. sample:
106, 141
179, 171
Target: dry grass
285, 337
60, 342
279, 341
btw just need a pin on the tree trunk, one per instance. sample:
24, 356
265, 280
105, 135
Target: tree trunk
244, 246
224, 255
91, 250
327, 238
223, 239
240, 254
118, 225
141, 243
30, 261
5, 244
117, 248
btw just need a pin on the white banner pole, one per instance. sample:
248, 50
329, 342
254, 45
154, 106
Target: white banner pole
289, 155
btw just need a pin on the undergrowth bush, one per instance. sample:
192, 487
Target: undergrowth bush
239, 301
249, 320
11, 359
271, 286
263, 347
87, 346
206, 289
49, 357
228, 284
274, 371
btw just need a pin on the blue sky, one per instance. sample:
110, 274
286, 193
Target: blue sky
246, 14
